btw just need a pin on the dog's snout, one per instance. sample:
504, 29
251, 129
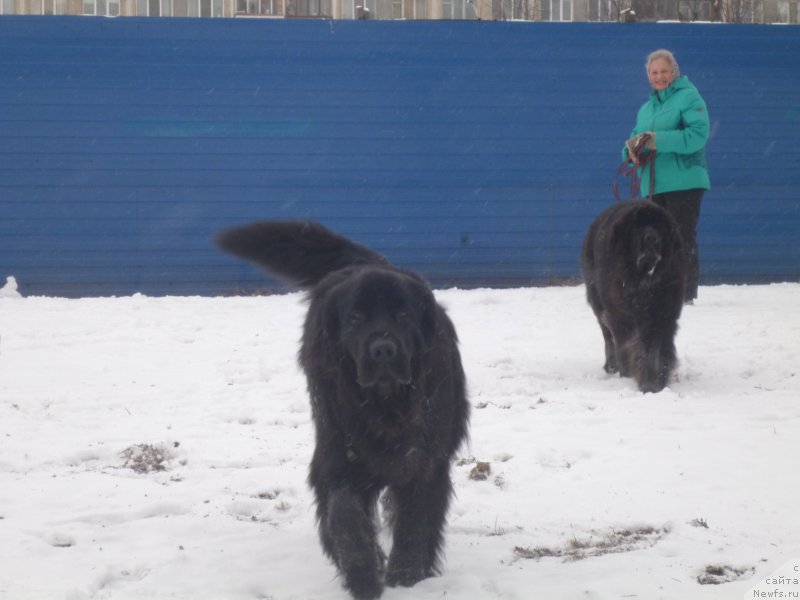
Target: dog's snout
383, 350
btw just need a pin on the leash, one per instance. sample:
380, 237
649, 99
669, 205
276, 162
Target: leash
631, 169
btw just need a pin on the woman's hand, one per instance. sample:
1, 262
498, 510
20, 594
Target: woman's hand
643, 141
631, 146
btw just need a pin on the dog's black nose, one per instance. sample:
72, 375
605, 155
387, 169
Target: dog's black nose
383, 350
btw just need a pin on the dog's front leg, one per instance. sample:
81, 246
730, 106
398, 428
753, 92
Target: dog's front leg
349, 529
420, 510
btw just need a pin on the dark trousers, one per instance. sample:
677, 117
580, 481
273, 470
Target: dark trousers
684, 206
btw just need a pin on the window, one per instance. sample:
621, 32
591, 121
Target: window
458, 9
103, 8
210, 8
607, 10
508, 10
783, 11
557, 10
313, 8
257, 8
182, 8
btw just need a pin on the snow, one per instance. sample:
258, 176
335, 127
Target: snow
9, 290
158, 448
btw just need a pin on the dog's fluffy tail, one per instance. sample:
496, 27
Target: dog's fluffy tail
303, 252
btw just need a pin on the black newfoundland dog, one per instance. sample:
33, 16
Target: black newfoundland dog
387, 393
633, 265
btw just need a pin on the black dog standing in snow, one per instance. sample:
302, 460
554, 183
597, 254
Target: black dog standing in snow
633, 265
387, 394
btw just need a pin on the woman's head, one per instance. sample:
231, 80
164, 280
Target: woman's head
662, 69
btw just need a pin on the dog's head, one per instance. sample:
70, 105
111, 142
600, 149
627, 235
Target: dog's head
648, 250
383, 320
645, 235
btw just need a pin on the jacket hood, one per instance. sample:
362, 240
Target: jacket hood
681, 83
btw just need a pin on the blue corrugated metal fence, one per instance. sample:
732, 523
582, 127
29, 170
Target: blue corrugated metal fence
474, 152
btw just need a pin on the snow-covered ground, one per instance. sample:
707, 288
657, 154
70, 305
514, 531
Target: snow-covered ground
157, 448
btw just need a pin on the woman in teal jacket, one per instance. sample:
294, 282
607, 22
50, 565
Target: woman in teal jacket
675, 122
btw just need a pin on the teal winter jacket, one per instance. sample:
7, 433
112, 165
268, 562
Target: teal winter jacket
679, 118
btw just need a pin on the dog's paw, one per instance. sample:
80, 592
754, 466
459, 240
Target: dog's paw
364, 586
364, 578
610, 367
405, 577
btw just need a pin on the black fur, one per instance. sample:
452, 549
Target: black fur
387, 393
633, 266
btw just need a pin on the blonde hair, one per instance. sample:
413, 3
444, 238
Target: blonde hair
667, 56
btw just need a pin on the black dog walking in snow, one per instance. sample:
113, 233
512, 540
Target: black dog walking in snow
387, 393
633, 265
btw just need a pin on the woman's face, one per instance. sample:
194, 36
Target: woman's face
660, 74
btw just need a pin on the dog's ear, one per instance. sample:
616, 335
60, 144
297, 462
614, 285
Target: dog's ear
427, 311
332, 325
330, 299
620, 236
627, 232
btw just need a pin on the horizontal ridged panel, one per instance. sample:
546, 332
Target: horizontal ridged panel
474, 152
